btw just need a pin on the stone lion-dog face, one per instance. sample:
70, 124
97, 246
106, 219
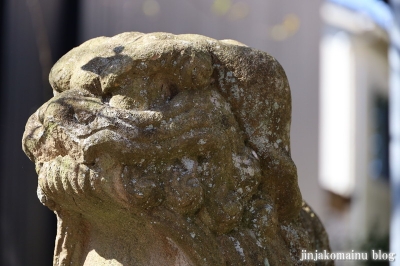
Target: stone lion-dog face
181, 130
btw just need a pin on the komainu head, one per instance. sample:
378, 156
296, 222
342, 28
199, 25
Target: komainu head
184, 133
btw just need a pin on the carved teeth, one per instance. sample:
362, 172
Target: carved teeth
64, 178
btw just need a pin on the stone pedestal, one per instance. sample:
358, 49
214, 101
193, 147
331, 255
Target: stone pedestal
161, 149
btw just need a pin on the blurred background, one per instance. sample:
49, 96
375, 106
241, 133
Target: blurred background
343, 64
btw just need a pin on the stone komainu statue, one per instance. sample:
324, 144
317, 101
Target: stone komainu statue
161, 149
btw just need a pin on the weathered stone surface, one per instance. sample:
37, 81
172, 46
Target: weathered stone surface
161, 149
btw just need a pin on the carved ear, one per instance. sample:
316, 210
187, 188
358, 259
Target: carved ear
256, 87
